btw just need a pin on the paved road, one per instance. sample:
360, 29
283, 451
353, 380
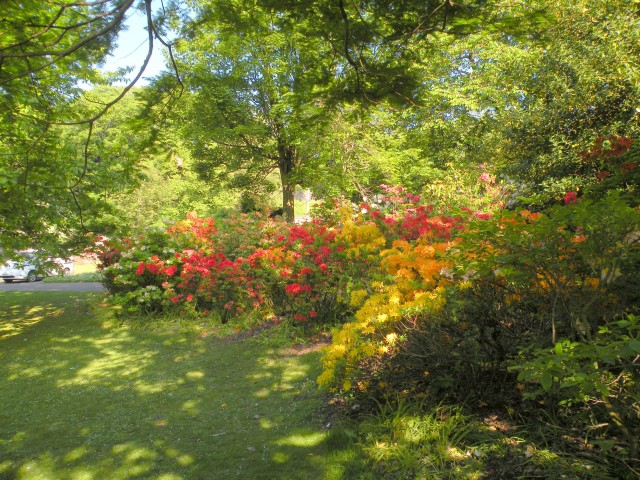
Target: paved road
51, 287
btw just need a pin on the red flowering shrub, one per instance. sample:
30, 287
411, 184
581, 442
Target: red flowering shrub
301, 272
178, 267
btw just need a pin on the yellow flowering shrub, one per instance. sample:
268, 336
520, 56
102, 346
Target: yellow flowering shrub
414, 286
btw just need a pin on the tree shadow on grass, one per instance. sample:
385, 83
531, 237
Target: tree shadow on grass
81, 401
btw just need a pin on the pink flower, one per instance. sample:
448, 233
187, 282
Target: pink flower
485, 177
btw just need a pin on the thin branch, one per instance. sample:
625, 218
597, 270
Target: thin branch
75, 200
81, 43
36, 35
46, 28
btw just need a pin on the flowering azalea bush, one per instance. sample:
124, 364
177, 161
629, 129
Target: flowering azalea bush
572, 261
413, 286
302, 272
404, 247
449, 301
178, 268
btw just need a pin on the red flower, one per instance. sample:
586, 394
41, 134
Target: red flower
170, 270
305, 271
152, 267
175, 299
299, 317
313, 314
570, 197
190, 297
323, 267
140, 269
293, 289
285, 273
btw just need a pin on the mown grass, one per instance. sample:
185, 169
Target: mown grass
89, 397
74, 278
81, 401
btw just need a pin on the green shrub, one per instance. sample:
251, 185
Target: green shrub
603, 373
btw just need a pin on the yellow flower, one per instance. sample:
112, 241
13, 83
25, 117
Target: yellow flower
358, 297
391, 338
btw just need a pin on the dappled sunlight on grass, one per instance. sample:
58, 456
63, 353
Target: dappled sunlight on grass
126, 461
83, 401
303, 439
16, 319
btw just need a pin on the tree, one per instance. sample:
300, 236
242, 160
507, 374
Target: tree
253, 102
527, 99
48, 54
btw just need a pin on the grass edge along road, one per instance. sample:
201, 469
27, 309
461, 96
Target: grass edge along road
83, 401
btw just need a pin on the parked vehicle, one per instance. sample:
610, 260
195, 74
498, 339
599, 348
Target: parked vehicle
30, 270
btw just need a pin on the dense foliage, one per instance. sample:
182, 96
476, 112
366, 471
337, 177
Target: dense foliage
502, 270
484, 307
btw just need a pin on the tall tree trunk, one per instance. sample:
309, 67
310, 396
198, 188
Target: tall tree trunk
288, 202
285, 164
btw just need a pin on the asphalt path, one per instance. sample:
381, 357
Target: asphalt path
51, 287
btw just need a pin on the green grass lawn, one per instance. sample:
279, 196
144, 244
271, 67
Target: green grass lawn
80, 401
74, 278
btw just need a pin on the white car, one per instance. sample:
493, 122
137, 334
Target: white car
27, 270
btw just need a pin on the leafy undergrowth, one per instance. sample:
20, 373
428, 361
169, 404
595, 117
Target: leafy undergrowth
406, 439
85, 396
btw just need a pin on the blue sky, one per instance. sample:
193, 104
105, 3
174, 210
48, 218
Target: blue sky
132, 49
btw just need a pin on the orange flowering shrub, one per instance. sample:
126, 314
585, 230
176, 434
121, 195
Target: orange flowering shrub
414, 285
566, 261
405, 253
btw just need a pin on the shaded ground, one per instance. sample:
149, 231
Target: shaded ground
85, 402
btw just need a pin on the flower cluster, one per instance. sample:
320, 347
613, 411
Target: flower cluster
179, 267
301, 272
